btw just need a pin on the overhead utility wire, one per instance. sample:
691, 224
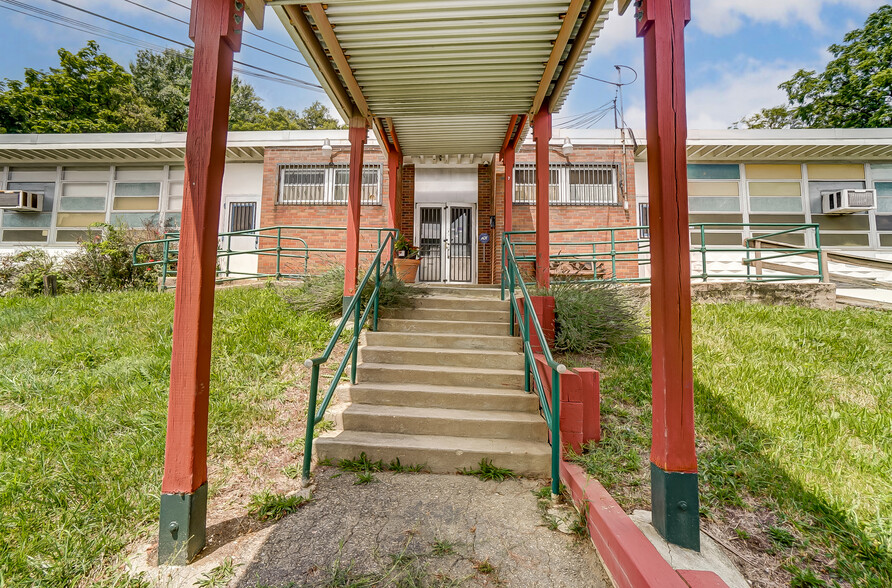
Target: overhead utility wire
259, 36
186, 22
169, 40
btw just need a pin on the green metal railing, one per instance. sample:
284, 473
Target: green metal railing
284, 243
612, 246
528, 325
314, 415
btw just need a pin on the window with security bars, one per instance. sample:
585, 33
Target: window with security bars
325, 184
570, 185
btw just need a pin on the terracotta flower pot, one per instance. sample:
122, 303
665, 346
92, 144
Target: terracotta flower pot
406, 269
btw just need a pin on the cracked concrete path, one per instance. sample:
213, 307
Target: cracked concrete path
421, 530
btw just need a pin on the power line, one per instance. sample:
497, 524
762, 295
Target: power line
186, 22
174, 41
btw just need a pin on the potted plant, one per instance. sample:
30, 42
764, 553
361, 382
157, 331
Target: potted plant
406, 261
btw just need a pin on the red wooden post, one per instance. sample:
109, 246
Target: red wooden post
508, 159
674, 495
394, 158
542, 135
359, 132
215, 28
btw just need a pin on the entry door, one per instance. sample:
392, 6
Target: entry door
241, 215
446, 242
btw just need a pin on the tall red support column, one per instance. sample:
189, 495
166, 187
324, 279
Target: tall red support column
394, 158
359, 132
674, 495
215, 28
508, 159
542, 135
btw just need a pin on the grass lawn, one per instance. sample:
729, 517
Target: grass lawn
794, 423
83, 407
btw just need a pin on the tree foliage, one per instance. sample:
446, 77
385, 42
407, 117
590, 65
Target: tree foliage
91, 93
854, 91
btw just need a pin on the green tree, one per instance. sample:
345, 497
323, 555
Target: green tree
314, 116
854, 91
163, 80
87, 93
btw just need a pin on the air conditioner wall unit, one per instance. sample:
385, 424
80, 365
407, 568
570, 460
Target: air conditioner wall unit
21, 201
848, 201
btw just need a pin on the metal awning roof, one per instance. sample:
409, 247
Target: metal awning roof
799, 145
441, 77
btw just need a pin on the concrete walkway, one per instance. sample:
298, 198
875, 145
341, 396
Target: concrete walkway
420, 530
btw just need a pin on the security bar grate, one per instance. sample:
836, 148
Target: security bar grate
568, 185
313, 183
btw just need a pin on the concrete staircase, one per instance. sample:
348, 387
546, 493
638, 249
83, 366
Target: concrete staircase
442, 384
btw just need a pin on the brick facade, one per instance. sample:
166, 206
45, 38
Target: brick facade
491, 202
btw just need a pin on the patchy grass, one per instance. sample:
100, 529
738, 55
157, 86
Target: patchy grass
83, 407
267, 506
794, 413
486, 471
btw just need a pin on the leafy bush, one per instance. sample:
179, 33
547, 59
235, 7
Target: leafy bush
22, 273
591, 317
324, 293
104, 263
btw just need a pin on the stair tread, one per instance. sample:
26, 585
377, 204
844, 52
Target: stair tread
438, 389
437, 443
491, 352
453, 414
439, 368
453, 335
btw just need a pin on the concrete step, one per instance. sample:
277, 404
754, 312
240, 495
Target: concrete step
412, 420
441, 454
443, 341
448, 314
475, 358
439, 376
460, 302
483, 291
448, 326
426, 395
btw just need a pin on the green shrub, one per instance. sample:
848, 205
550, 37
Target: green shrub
22, 272
324, 293
104, 262
591, 317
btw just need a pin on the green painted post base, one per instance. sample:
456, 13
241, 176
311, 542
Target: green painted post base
347, 301
183, 526
675, 504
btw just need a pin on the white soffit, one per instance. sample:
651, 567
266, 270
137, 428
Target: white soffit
450, 73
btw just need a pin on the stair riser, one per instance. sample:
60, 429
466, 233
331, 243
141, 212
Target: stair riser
460, 303
488, 293
429, 341
528, 403
441, 357
461, 328
404, 425
440, 378
448, 314
437, 461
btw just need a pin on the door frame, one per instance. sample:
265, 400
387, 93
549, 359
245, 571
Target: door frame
475, 232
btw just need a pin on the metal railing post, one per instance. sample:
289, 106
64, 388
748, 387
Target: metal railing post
525, 332
511, 306
356, 328
703, 273
823, 262
164, 266
311, 423
278, 253
612, 254
376, 292
555, 431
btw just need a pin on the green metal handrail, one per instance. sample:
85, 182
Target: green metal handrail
639, 250
315, 416
552, 413
286, 247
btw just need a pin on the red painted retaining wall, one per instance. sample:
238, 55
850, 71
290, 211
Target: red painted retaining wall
580, 404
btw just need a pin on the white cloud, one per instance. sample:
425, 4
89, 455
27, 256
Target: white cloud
723, 17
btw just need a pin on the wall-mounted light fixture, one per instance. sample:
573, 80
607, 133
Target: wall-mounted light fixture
327, 150
567, 147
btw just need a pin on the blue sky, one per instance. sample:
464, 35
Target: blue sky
738, 51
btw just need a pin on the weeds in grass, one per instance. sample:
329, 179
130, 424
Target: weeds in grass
364, 478
291, 471
361, 464
781, 537
484, 567
218, 576
396, 467
487, 471
441, 547
267, 506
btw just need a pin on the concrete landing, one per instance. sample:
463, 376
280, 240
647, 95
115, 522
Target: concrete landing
440, 530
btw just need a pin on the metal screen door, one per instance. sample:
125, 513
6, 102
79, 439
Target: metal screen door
446, 248
242, 217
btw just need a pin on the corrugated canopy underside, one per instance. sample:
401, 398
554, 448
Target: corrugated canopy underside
449, 73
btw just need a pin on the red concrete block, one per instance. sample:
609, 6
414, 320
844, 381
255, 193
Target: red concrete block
701, 579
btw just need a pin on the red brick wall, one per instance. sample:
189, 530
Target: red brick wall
485, 208
274, 214
407, 204
573, 217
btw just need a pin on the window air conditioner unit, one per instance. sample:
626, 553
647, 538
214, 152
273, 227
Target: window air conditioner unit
848, 201
21, 201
